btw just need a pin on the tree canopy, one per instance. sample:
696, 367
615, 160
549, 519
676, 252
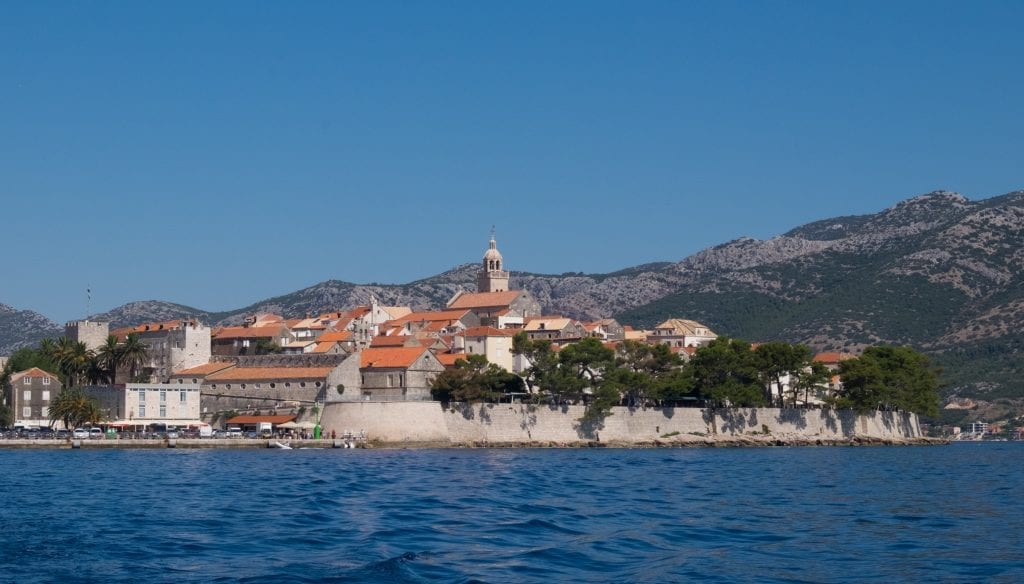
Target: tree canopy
889, 378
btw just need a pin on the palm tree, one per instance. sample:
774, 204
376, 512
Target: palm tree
72, 357
111, 357
74, 408
48, 348
134, 354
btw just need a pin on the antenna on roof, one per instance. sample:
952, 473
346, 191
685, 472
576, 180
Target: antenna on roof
492, 232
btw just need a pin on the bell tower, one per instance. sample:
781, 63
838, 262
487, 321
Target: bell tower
492, 278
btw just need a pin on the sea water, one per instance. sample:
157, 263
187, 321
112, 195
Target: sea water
942, 513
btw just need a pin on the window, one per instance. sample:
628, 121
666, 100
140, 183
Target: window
242, 386
184, 396
46, 381
28, 394
46, 395
163, 411
142, 410
245, 343
46, 412
26, 412
163, 396
142, 396
302, 384
273, 385
26, 380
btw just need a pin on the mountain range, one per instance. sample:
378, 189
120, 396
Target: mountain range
939, 272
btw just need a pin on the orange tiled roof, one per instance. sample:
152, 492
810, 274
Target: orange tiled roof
243, 332
324, 347
488, 331
833, 357
395, 341
32, 372
389, 357
484, 299
431, 316
269, 373
449, 359
205, 369
335, 336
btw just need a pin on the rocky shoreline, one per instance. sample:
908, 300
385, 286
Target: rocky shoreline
749, 441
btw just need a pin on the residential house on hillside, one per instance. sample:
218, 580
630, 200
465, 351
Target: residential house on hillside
28, 394
557, 329
607, 329
494, 344
249, 339
677, 332
171, 346
364, 322
434, 323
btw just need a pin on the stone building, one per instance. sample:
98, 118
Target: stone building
269, 382
493, 302
90, 332
233, 341
172, 346
29, 393
394, 374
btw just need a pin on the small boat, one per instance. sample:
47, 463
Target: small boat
282, 446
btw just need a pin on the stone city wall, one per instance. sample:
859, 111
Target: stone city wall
430, 422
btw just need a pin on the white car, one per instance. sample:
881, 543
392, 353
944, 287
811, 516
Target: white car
95, 433
80, 433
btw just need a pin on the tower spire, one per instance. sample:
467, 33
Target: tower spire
493, 277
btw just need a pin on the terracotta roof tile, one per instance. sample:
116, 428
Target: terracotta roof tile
322, 347
833, 357
484, 299
488, 331
335, 336
390, 357
33, 372
449, 359
243, 332
432, 316
393, 341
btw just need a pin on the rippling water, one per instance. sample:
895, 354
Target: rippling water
724, 515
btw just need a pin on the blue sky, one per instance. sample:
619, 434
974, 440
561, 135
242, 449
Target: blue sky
217, 153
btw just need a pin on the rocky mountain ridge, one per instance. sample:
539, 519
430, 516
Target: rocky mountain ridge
937, 271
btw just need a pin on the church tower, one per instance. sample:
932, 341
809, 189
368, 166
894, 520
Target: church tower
492, 278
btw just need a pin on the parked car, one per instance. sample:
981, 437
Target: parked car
80, 433
47, 433
173, 434
220, 434
234, 432
63, 434
95, 433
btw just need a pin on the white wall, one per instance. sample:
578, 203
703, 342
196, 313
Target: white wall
518, 423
